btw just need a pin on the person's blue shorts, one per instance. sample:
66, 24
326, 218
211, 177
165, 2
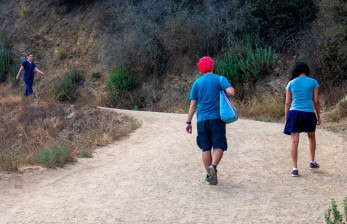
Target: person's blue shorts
300, 121
211, 133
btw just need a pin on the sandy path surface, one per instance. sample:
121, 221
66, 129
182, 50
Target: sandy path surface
156, 176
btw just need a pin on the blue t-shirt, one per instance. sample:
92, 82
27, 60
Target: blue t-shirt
302, 89
28, 69
206, 91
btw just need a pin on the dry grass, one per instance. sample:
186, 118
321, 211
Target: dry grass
28, 126
270, 110
24, 11
340, 112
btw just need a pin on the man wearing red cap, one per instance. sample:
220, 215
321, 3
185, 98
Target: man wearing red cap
204, 98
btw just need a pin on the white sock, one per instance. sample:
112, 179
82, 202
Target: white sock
313, 161
295, 168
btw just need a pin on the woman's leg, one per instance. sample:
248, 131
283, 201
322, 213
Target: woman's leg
294, 148
29, 86
312, 144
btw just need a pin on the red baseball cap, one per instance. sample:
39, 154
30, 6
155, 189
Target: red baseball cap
205, 64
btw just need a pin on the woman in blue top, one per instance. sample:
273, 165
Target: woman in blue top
204, 98
29, 68
302, 100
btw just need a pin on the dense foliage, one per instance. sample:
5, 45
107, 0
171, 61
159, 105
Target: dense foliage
154, 33
332, 54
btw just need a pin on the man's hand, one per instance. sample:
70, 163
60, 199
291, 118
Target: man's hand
189, 128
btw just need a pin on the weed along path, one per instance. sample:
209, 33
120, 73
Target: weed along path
156, 176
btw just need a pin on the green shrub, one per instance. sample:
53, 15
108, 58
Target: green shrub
57, 155
121, 80
135, 124
65, 88
333, 128
85, 153
5, 162
338, 218
4, 59
3, 39
13, 71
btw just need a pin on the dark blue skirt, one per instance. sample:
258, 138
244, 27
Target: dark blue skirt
300, 121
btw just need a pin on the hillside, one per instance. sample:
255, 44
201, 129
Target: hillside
93, 36
81, 44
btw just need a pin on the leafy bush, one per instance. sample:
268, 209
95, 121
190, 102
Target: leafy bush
8, 67
4, 63
57, 155
121, 80
5, 161
336, 213
13, 71
278, 20
65, 88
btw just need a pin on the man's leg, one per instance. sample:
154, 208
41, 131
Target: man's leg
217, 156
207, 159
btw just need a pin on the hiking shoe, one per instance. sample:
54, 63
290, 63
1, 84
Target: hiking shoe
207, 179
294, 173
314, 165
212, 172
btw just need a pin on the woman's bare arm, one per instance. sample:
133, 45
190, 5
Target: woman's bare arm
317, 104
287, 104
39, 71
20, 71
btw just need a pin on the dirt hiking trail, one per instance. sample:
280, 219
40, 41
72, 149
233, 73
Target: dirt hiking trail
156, 176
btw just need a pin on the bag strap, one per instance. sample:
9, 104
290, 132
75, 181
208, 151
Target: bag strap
220, 82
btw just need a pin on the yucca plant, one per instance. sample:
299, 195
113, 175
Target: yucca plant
338, 219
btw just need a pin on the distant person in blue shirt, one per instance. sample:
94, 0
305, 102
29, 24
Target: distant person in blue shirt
302, 101
204, 97
29, 68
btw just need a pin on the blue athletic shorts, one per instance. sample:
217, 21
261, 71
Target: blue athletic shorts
211, 133
300, 121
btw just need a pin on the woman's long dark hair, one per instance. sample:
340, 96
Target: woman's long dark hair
298, 68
